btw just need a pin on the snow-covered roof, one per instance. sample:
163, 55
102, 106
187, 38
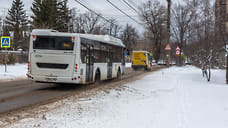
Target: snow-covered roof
42, 31
103, 38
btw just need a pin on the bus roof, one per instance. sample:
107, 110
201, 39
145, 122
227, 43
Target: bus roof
103, 38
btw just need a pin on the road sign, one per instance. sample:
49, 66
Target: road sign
167, 47
177, 52
5, 42
178, 48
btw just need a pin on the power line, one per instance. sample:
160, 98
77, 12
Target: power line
130, 6
88, 4
118, 15
93, 11
132, 2
123, 12
127, 9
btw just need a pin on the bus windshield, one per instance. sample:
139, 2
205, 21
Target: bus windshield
53, 43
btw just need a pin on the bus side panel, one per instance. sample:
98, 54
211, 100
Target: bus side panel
82, 73
123, 68
115, 68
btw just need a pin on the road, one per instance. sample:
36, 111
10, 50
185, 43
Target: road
19, 94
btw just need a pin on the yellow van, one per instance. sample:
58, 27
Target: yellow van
141, 59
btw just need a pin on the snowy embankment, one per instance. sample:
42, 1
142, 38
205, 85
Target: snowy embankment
177, 97
13, 71
128, 65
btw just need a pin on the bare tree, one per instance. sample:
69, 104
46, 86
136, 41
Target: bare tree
93, 24
1, 30
86, 23
153, 14
114, 28
129, 37
183, 16
202, 40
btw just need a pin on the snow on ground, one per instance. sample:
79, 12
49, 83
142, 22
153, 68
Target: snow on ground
128, 65
176, 97
13, 71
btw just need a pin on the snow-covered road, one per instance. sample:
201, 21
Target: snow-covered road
177, 97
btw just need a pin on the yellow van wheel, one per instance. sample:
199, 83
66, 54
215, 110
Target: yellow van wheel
145, 68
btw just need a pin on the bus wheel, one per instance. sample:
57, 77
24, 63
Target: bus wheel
97, 78
118, 74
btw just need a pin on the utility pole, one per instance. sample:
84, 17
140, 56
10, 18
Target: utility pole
168, 20
168, 30
5, 59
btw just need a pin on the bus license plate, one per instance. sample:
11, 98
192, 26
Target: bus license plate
51, 79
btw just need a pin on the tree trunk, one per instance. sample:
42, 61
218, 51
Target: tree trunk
168, 30
168, 20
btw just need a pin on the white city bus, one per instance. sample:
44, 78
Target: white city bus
74, 58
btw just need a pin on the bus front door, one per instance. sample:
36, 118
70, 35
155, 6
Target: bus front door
89, 63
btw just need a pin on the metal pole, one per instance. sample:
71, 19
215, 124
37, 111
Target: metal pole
6, 60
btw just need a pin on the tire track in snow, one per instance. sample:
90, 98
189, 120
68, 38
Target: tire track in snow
183, 104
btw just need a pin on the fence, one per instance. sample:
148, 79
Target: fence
13, 57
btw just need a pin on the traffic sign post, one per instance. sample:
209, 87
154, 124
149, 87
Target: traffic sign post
178, 51
178, 48
5, 43
168, 49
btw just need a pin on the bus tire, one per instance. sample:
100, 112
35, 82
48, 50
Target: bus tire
97, 77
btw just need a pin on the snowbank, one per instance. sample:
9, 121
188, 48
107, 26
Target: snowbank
13, 71
177, 97
128, 65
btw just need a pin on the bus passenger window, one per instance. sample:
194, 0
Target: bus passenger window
83, 53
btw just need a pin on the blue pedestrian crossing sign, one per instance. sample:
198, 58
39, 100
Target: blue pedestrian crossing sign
5, 42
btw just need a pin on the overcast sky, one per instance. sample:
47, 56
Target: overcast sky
100, 6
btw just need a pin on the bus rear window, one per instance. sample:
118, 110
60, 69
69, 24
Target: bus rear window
53, 43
